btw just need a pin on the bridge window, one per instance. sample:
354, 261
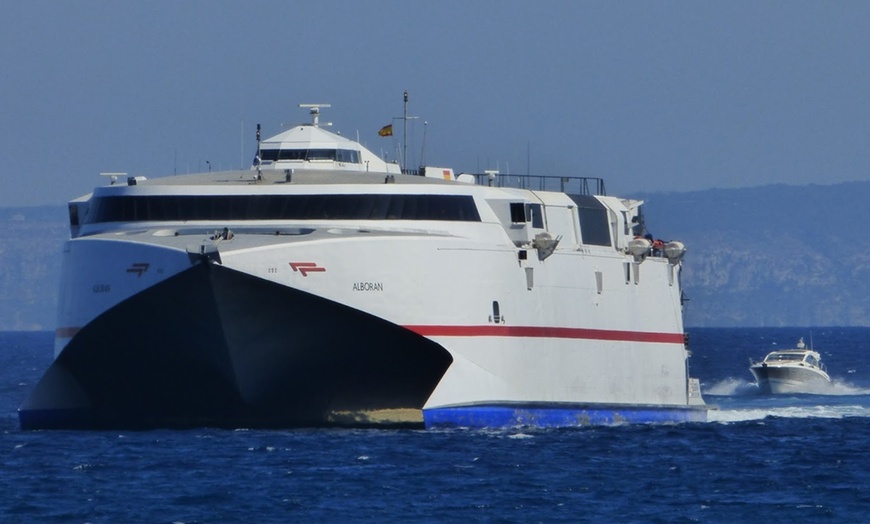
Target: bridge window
535, 215
522, 213
518, 213
340, 155
594, 225
179, 208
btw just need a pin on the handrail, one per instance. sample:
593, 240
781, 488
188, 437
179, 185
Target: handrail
581, 185
575, 185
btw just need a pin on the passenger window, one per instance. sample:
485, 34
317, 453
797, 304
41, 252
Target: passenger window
535, 215
518, 213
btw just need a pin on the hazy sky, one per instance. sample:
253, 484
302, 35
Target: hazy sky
650, 95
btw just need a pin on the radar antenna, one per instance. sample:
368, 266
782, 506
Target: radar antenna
314, 111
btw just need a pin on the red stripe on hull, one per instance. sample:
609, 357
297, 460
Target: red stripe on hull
511, 331
546, 332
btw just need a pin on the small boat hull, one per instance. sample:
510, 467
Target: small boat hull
778, 380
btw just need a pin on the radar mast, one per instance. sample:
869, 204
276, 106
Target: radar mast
314, 111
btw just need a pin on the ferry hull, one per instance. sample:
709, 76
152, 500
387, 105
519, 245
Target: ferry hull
328, 287
216, 347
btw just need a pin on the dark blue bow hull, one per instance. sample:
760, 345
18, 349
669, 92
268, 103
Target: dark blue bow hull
215, 347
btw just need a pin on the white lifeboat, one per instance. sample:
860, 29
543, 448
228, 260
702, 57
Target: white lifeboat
639, 248
674, 251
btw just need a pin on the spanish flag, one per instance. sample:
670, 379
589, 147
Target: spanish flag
386, 130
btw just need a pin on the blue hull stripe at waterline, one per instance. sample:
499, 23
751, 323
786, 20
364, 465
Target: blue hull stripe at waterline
556, 416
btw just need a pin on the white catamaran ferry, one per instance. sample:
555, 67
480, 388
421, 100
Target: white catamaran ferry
327, 287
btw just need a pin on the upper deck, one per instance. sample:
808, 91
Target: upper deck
307, 175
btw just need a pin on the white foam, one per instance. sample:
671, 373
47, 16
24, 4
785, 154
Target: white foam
835, 388
842, 387
739, 387
731, 386
759, 413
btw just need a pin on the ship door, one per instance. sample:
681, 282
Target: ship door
496, 317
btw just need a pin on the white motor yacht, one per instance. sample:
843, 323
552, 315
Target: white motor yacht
798, 370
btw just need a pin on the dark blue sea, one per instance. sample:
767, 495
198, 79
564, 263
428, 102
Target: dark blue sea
802, 458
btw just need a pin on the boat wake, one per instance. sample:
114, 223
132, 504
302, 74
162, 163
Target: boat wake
842, 387
740, 400
760, 413
735, 387
731, 387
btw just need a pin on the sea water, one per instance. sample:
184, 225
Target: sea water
794, 458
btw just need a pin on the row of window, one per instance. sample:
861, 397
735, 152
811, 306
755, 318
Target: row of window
594, 224
176, 208
349, 156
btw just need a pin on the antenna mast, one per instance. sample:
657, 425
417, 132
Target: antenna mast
259, 158
405, 137
423, 155
404, 118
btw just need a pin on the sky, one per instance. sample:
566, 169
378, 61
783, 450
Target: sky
649, 95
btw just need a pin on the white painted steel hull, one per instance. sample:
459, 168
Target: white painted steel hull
556, 344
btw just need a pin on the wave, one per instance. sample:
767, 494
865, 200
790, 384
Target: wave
740, 400
843, 387
747, 414
731, 387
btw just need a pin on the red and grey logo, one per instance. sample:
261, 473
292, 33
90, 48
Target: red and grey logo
306, 267
138, 268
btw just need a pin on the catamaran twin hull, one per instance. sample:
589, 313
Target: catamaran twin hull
349, 328
215, 347
327, 286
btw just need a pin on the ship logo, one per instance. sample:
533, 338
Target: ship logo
306, 267
138, 268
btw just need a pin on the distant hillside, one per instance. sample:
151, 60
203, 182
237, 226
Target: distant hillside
766, 256
771, 256
30, 249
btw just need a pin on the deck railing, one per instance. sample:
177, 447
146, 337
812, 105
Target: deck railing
575, 185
